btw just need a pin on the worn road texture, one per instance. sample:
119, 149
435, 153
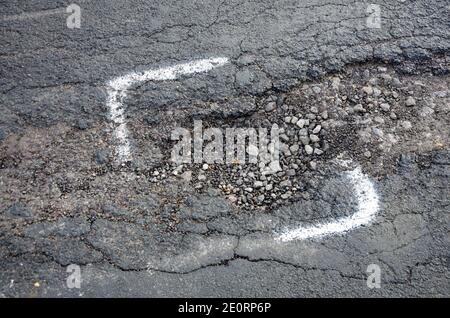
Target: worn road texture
381, 96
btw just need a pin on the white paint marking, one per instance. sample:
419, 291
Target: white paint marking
117, 92
368, 205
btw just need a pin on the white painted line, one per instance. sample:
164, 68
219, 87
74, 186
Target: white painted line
117, 92
368, 205
32, 15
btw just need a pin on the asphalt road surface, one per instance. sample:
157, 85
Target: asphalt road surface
344, 84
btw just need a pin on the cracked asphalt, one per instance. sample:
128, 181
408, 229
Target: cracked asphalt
63, 200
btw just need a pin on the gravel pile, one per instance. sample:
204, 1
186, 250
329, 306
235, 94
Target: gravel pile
360, 113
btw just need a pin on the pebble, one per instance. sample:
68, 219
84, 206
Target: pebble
317, 129
303, 132
406, 125
317, 151
314, 138
290, 172
385, 107
410, 101
301, 123
378, 120
378, 132
294, 148
285, 183
376, 92
368, 90
309, 150
304, 139
359, 108
186, 176
258, 184
270, 107
316, 89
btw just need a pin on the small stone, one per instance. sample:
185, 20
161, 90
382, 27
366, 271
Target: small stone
294, 148
385, 107
285, 183
314, 110
376, 92
201, 177
313, 165
426, 111
378, 132
258, 184
359, 108
285, 196
378, 120
303, 132
284, 137
273, 167
368, 90
406, 125
248, 189
410, 101
318, 151
287, 119
309, 150
205, 166
396, 82
317, 129
316, 89
305, 140
270, 107
314, 138
260, 198
290, 172
186, 176
294, 120
301, 123
367, 154
269, 187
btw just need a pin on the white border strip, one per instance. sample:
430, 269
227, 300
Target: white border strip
368, 206
117, 91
